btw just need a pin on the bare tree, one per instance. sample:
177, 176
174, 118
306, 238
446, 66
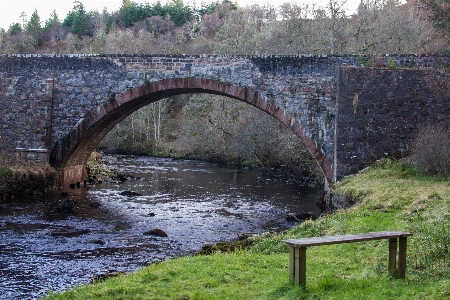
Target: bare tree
211, 24
157, 113
336, 9
243, 32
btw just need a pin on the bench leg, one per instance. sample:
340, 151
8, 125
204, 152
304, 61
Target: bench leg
392, 266
300, 266
297, 265
291, 263
402, 257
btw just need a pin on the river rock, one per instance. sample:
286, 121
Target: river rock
97, 242
245, 236
105, 276
66, 206
95, 205
156, 232
298, 217
244, 241
122, 177
129, 194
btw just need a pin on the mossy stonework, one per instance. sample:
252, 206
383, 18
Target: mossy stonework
27, 180
61, 106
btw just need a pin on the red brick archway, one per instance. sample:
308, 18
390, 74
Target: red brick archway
72, 154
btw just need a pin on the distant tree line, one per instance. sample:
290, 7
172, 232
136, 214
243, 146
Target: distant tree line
378, 26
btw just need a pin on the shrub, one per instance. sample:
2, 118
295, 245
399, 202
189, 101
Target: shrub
431, 151
6, 173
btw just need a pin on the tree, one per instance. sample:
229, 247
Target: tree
34, 28
14, 28
289, 35
109, 24
141, 132
51, 21
156, 115
128, 13
337, 14
79, 21
20, 42
179, 13
159, 25
239, 35
211, 24
366, 26
23, 16
402, 28
54, 34
439, 15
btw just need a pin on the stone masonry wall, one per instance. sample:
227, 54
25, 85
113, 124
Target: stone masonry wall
381, 110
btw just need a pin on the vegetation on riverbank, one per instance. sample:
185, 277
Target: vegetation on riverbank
26, 178
389, 195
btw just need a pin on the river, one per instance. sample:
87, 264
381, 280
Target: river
56, 241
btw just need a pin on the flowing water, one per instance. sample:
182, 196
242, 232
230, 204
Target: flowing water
54, 242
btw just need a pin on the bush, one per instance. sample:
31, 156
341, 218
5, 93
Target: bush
6, 173
431, 150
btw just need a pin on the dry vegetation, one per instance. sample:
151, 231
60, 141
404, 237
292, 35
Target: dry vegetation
431, 151
377, 27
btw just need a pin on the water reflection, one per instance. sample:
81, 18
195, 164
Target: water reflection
45, 247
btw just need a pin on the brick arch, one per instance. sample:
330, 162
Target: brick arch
71, 155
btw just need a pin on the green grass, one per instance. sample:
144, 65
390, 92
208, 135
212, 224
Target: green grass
389, 195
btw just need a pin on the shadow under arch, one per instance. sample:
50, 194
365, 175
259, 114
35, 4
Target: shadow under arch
71, 154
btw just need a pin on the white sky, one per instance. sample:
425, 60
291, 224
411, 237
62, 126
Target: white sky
10, 10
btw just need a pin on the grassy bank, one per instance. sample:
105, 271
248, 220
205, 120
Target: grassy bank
27, 179
390, 196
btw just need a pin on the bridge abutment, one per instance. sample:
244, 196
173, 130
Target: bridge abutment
72, 175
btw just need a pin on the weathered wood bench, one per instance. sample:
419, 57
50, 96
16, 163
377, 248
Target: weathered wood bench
297, 251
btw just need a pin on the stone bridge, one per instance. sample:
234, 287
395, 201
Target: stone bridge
57, 108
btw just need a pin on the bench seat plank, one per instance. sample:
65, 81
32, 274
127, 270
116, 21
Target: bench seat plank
347, 238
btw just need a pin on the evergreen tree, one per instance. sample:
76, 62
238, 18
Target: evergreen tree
179, 13
51, 21
14, 28
34, 28
128, 13
79, 20
109, 24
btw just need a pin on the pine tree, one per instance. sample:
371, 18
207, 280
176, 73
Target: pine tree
34, 28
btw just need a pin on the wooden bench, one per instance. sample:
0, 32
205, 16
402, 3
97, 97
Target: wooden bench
297, 251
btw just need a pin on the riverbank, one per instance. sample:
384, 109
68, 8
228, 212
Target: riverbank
389, 196
27, 179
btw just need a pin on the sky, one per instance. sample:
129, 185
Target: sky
10, 10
